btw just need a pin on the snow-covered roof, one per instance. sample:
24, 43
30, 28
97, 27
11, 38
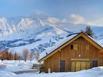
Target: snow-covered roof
99, 42
60, 43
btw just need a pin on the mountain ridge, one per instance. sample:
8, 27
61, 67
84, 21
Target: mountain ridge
35, 33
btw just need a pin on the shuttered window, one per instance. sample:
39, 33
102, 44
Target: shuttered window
74, 47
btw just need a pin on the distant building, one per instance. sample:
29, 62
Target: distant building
79, 52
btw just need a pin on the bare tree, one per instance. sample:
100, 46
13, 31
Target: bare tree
25, 53
36, 55
30, 56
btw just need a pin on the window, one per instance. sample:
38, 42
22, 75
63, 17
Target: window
75, 47
71, 47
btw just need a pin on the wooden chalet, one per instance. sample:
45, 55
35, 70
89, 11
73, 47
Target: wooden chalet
78, 53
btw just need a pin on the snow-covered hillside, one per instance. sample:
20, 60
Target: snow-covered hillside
36, 33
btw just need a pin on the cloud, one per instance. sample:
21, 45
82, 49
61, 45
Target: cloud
53, 20
98, 22
78, 19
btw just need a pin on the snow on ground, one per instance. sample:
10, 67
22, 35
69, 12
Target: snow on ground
14, 66
7, 74
8, 69
95, 72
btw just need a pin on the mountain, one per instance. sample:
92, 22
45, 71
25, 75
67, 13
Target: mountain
36, 33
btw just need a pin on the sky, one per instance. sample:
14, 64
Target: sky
76, 11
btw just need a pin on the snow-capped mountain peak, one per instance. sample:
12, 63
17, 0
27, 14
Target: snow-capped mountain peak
33, 33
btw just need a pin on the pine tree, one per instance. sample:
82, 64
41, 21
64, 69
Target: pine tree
89, 31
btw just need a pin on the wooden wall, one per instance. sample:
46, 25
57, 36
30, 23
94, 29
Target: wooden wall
82, 49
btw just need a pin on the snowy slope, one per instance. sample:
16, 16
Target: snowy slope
26, 32
36, 33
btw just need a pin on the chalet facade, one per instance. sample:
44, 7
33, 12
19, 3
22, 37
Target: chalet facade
78, 53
